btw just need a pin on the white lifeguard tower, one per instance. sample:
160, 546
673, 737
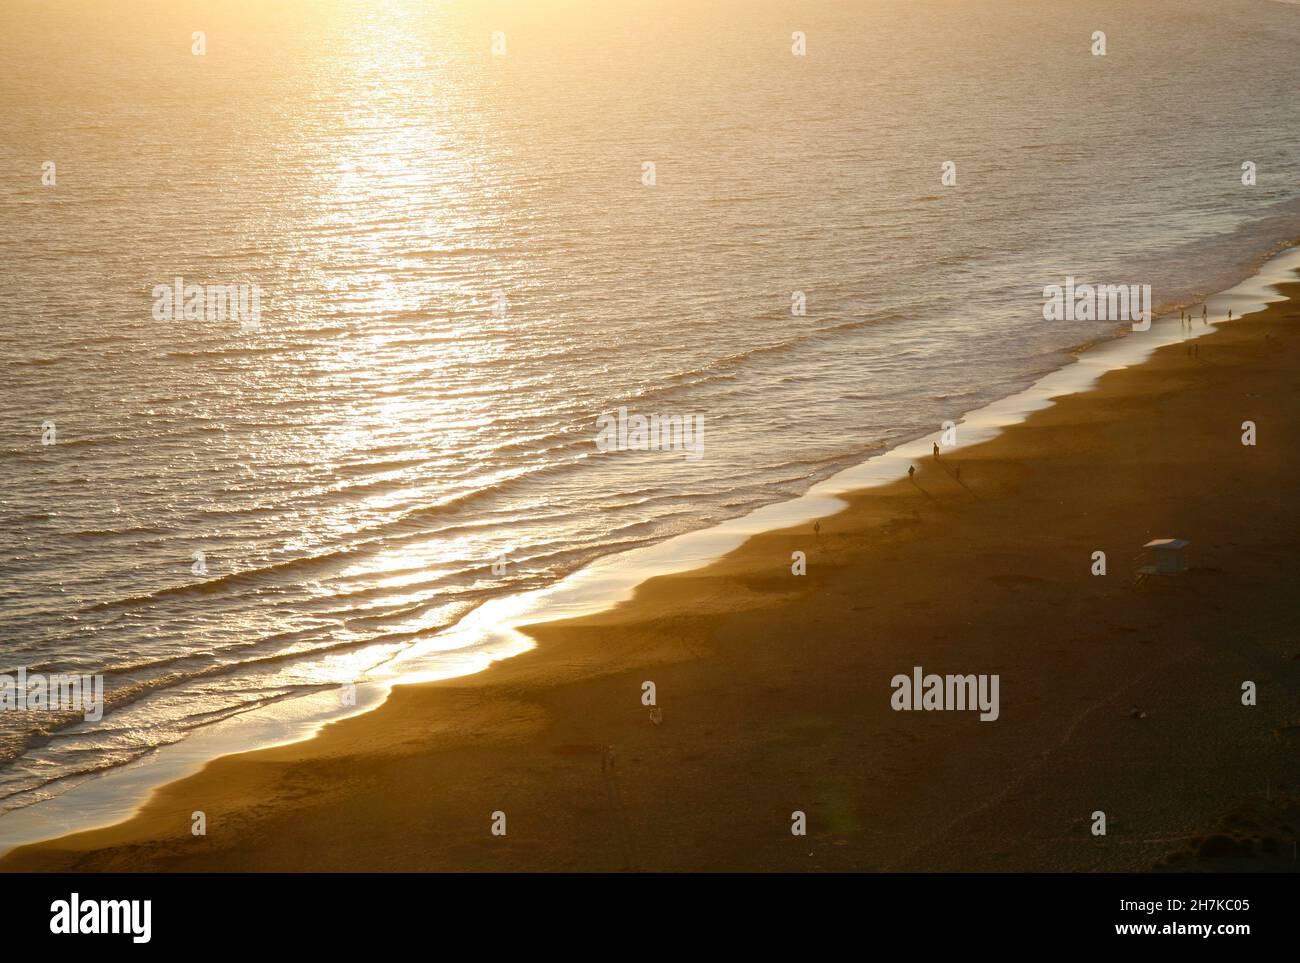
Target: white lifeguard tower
1168, 557
1168, 554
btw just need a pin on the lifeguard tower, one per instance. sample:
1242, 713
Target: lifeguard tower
1163, 556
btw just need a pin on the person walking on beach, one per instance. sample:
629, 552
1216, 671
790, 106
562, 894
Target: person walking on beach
936, 449
911, 470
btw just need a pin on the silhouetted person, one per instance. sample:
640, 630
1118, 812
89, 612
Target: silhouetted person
911, 470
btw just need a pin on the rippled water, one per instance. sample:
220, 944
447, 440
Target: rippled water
352, 470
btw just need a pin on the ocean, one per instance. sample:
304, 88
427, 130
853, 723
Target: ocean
462, 266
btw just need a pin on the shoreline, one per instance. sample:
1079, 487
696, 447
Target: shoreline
715, 547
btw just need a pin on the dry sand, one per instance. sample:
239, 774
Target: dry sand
776, 691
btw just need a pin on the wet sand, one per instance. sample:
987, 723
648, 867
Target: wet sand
775, 688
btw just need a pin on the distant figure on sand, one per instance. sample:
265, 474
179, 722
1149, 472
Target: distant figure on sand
911, 470
1205, 313
936, 449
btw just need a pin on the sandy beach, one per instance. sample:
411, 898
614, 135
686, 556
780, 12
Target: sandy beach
775, 688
